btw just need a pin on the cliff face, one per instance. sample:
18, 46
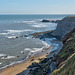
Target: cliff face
65, 59
64, 26
68, 47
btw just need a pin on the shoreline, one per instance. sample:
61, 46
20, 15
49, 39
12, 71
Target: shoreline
29, 36
10, 70
14, 69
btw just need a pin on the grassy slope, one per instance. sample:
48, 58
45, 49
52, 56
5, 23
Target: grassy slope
69, 45
66, 57
68, 68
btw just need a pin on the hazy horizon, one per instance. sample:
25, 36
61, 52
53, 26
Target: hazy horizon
37, 7
33, 14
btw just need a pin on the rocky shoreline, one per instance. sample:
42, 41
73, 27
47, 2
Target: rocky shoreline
55, 60
52, 21
32, 69
48, 65
44, 52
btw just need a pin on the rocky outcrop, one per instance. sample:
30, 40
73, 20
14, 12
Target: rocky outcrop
45, 21
52, 21
64, 26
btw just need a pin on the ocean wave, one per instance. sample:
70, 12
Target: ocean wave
55, 46
48, 41
15, 33
37, 50
8, 57
0, 63
3, 33
1, 55
12, 63
11, 37
39, 25
33, 51
26, 22
27, 37
26, 49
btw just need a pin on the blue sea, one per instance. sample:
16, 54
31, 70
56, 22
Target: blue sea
14, 49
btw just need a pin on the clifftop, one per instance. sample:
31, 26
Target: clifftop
69, 18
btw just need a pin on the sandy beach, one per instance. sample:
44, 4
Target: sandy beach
17, 68
45, 53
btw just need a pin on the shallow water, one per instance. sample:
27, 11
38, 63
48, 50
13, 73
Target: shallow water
14, 49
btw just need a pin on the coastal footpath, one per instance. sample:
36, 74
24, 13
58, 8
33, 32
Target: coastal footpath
64, 62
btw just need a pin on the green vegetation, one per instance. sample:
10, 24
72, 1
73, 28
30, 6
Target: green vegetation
69, 45
65, 59
66, 56
67, 69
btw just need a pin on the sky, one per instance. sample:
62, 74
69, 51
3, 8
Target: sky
37, 6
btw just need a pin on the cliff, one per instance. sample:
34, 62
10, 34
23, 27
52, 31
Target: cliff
64, 26
65, 59
61, 64
64, 62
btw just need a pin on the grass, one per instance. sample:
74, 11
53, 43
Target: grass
69, 45
68, 68
65, 58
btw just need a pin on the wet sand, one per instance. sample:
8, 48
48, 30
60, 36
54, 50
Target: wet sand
17, 68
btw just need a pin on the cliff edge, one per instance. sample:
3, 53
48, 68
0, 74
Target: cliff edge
64, 26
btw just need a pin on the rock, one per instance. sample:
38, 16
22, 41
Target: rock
17, 56
16, 37
45, 21
25, 36
32, 59
52, 66
52, 21
41, 36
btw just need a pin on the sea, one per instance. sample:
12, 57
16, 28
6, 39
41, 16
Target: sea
16, 50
